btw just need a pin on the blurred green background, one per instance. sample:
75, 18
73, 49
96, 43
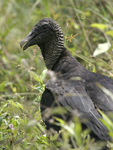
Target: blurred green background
88, 35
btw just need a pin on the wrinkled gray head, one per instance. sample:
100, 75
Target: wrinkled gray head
49, 37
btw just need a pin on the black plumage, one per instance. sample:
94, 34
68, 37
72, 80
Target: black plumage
79, 96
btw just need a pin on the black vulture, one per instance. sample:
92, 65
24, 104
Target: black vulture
74, 87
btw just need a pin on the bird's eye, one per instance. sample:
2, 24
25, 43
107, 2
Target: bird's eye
44, 26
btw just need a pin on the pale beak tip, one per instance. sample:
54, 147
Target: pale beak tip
21, 43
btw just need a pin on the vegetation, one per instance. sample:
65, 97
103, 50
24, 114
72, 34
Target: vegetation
88, 31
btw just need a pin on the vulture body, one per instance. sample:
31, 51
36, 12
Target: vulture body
79, 96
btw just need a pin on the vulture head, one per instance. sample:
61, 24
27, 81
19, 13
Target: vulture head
49, 37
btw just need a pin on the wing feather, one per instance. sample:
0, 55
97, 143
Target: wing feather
74, 97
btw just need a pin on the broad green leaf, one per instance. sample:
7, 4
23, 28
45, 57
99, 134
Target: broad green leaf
106, 124
59, 120
14, 89
102, 48
13, 103
111, 135
66, 127
35, 76
41, 127
110, 32
43, 74
16, 104
106, 121
99, 26
78, 130
58, 110
39, 88
94, 69
19, 105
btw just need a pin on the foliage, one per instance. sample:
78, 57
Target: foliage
23, 74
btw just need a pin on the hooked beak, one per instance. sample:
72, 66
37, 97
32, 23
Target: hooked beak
28, 41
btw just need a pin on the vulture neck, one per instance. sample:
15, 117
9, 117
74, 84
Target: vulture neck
62, 62
68, 66
58, 59
52, 50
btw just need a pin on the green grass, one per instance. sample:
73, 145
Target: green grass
21, 78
